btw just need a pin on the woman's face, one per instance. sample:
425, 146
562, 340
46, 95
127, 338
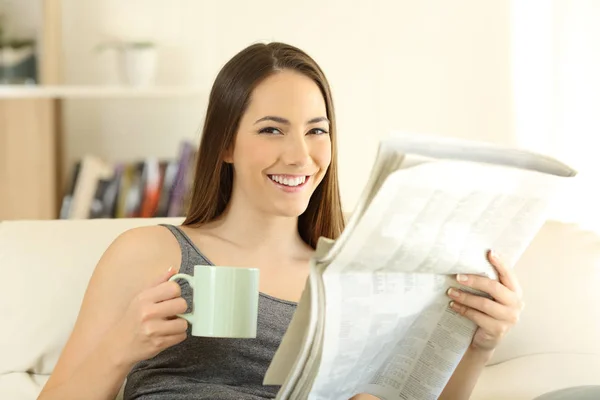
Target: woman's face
282, 148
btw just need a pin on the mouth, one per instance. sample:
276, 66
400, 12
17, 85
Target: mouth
290, 183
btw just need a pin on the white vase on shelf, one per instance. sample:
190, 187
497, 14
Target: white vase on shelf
136, 62
138, 65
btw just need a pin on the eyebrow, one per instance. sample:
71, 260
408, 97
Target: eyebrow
285, 121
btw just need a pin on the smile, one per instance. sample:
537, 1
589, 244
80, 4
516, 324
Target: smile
289, 181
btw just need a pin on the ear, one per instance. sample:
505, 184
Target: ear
228, 155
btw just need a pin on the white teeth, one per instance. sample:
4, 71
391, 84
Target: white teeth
283, 180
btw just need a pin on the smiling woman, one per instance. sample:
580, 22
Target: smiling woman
270, 114
265, 190
293, 183
279, 161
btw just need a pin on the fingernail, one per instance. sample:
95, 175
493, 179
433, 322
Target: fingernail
452, 305
170, 269
452, 292
493, 255
461, 278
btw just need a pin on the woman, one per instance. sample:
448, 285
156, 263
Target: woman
266, 188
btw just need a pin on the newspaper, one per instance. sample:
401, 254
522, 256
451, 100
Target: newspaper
374, 315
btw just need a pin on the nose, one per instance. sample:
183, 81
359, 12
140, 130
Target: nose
297, 152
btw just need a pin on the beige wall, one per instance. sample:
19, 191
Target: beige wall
432, 66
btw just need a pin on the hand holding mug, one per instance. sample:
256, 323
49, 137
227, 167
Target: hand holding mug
149, 324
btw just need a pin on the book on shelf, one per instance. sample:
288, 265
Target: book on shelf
139, 189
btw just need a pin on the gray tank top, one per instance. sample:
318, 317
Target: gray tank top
212, 368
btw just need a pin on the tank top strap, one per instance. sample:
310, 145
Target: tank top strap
187, 249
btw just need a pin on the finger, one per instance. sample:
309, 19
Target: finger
497, 290
483, 304
173, 327
505, 274
163, 292
169, 308
483, 321
163, 327
172, 340
164, 277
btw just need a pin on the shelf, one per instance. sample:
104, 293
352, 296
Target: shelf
96, 92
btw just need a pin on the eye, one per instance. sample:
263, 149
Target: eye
318, 131
270, 131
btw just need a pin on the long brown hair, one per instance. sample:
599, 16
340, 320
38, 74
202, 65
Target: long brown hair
229, 98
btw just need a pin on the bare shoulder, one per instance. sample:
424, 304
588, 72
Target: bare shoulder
141, 250
146, 241
132, 262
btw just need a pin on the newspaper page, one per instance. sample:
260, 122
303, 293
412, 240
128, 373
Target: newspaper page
296, 361
388, 329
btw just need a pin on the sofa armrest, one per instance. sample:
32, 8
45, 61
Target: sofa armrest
527, 377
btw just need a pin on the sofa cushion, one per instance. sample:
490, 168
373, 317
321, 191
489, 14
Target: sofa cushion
25, 386
21, 385
45, 267
560, 276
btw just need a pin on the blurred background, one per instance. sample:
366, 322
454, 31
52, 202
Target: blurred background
102, 101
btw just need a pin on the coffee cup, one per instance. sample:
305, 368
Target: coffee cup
225, 301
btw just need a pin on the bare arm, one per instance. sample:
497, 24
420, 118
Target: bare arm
130, 279
465, 376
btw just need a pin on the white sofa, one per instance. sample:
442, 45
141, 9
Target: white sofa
45, 267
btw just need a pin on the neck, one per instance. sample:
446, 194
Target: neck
251, 228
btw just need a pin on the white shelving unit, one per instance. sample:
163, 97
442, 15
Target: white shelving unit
31, 124
96, 92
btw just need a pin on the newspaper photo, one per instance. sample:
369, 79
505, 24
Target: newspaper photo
374, 316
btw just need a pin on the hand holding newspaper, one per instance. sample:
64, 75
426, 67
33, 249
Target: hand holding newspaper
374, 315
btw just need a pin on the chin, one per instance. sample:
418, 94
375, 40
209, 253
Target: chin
290, 210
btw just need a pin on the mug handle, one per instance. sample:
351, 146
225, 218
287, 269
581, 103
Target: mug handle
189, 317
